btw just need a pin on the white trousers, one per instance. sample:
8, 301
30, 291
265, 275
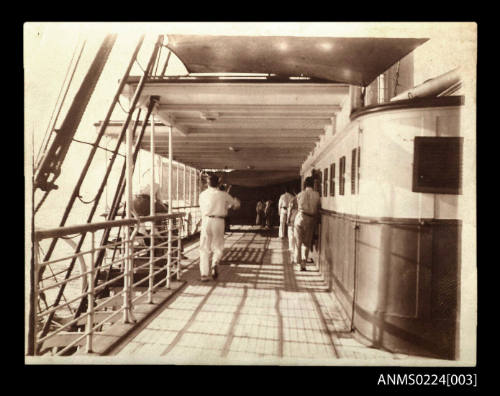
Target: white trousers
211, 242
303, 233
282, 229
291, 241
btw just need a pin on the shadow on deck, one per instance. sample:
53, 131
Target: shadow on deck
260, 310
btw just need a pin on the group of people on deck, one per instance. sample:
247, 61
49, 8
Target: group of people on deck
299, 215
264, 214
298, 218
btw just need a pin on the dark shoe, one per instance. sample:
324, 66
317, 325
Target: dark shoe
303, 268
204, 279
215, 273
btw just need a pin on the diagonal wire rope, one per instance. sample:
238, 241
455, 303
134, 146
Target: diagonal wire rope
55, 279
51, 125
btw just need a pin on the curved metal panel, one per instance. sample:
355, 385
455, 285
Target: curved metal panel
350, 60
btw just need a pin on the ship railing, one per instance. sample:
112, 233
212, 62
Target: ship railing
145, 261
191, 220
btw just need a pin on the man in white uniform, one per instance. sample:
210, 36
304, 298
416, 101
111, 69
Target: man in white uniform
292, 213
283, 205
308, 202
214, 204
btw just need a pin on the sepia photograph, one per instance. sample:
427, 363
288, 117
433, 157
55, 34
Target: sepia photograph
251, 194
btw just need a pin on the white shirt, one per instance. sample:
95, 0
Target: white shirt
308, 201
214, 202
285, 200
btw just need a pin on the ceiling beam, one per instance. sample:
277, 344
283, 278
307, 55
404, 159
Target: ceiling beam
262, 123
263, 157
238, 132
246, 158
162, 131
236, 147
237, 139
169, 120
227, 93
251, 108
269, 167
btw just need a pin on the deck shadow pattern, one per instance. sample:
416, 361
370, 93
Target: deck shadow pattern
260, 310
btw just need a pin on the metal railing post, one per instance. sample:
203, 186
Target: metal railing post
177, 184
129, 246
169, 251
184, 187
34, 303
190, 190
90, 307
179, 246
152, 211
127, 253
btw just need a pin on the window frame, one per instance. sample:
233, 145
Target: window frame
332, 179
342, 175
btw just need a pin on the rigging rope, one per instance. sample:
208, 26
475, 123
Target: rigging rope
137, 61
45, 195
93, 145
42, 295
123, 109
51, 125
85, 202
102, 148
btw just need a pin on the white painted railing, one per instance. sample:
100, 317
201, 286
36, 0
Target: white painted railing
61, 326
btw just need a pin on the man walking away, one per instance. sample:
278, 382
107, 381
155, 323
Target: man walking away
268, 213
292, 212
259, 220
214, 204
283, 205
308, 203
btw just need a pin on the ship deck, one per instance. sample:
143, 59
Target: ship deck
260, 310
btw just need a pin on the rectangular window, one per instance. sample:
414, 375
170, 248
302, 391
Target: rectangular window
382, 88
320, 181
325, 182
437, 165
332, 180
353, 172
341, 175
359, 167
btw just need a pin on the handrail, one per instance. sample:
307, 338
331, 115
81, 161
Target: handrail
77, 229
185, 207
131, 291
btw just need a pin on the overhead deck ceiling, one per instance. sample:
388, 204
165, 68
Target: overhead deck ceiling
241, 124
258, 124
